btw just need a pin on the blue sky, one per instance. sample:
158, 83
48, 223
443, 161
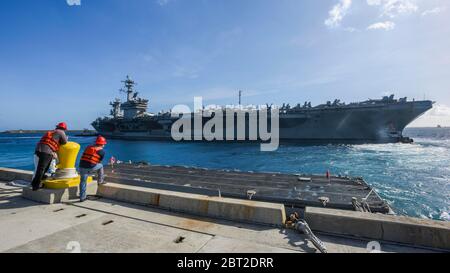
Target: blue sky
65, 62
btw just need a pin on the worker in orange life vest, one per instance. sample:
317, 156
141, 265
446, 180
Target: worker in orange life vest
91, 162
46, 151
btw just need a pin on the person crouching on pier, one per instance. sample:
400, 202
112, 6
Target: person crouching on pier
46, 151
91, 162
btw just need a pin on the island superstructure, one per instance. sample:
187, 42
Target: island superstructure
370, 121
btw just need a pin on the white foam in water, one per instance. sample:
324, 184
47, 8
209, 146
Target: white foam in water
445, 216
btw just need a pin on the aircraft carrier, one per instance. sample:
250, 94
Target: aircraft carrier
372, 121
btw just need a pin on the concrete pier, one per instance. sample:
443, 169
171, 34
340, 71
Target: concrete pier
103, 225
135, 219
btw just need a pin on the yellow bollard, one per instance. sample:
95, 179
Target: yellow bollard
67, 155
66, 175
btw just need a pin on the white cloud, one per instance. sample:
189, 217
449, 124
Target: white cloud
73, 2
440, 110
433, 11
388, 25
439, 115
393, 8
337, 13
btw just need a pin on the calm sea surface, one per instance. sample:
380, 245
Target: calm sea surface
415, 179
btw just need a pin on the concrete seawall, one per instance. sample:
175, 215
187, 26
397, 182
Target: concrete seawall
400, 229
217, 207
7, 174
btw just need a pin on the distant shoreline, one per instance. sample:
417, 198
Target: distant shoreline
443, 127
44, 131
95, 132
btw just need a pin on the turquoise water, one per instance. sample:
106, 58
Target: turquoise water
414, 179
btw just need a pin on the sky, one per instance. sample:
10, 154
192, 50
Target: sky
63, 60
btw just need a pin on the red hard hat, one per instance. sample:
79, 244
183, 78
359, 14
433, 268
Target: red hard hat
62, 125
100, 140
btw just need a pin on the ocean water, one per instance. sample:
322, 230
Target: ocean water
414, 179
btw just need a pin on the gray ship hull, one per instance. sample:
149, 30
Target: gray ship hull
370, 123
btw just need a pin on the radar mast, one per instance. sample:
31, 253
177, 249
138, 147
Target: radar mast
129, 85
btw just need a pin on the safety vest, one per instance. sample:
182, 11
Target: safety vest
48, 140
91, 155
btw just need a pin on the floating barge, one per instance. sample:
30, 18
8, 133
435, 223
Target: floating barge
292, 190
